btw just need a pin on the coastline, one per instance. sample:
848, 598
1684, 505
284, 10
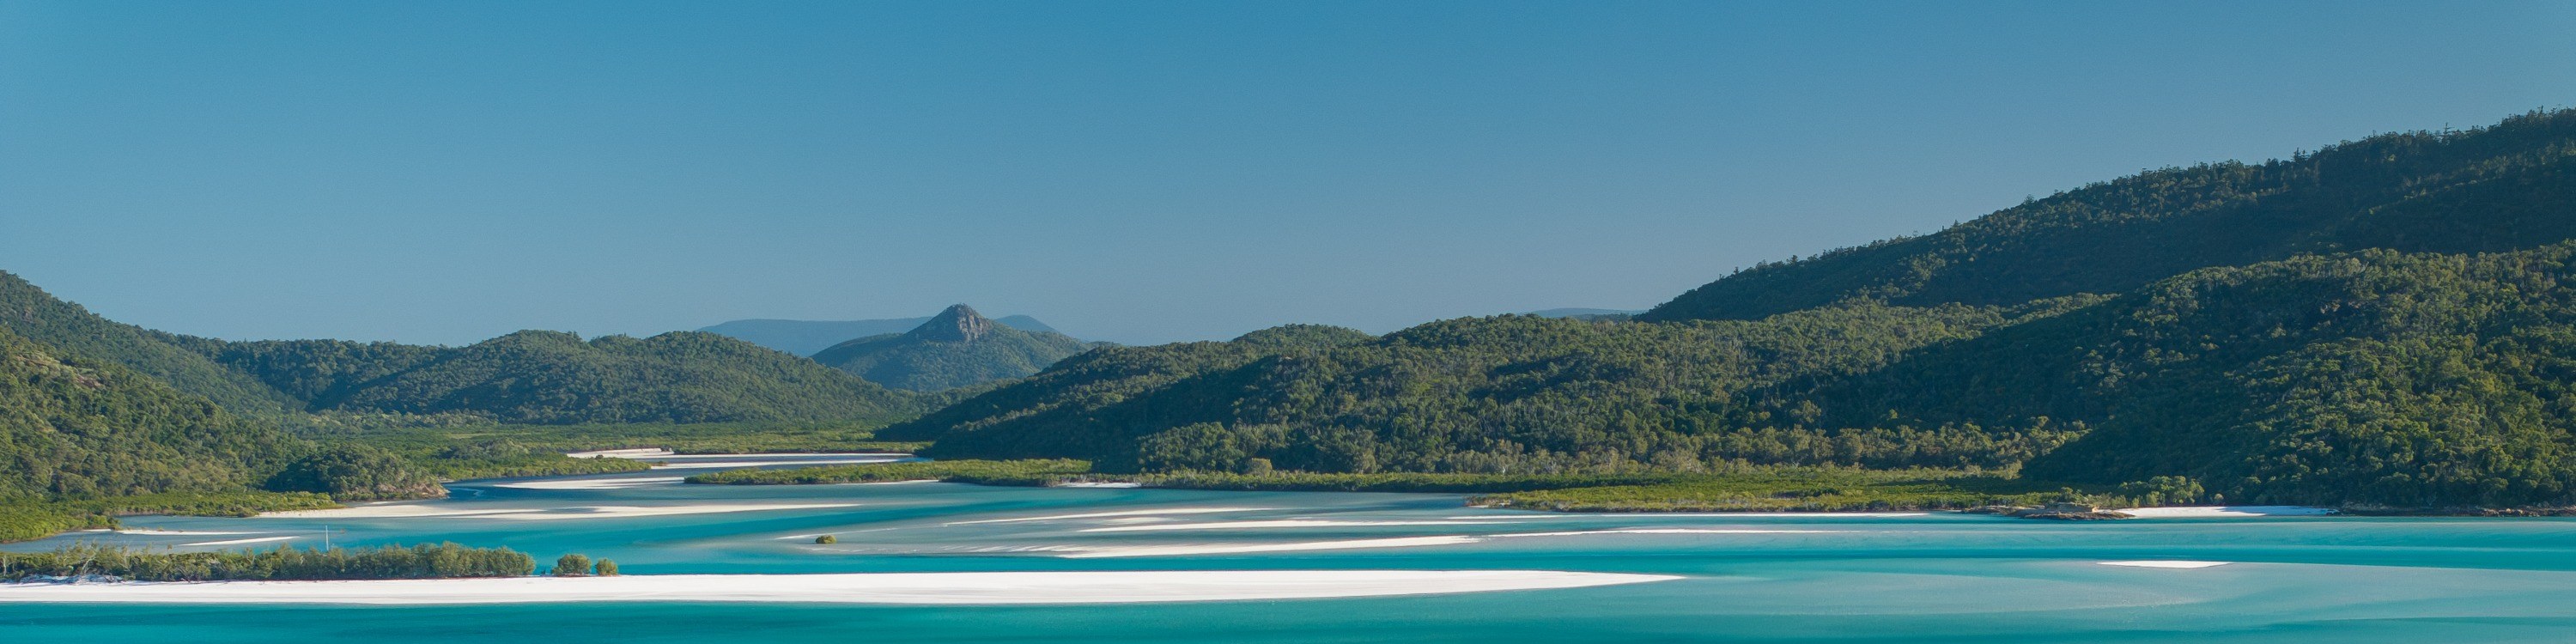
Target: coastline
940, 588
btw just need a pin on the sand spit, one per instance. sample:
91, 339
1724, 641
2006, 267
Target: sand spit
1576, 533
397, 511
642, 452
1084, 552
594, 484
710, 465
857, 588
2166, 564
2226, 511
1103, 515
1277, 523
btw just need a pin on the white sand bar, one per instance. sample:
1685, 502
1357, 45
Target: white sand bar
236, 542
2165, 564
542, 514
594, 484
1277, 523
858, 588
1120, 513
710, 465
2220, 511
1240, 548
641, 452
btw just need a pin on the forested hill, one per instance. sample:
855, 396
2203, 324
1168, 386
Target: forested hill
549, 377
956, 348
74, 331
2359, 375
2502, 187
804, 337
525, 377
78, 427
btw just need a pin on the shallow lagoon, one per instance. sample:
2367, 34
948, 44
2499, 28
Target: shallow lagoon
1894, 577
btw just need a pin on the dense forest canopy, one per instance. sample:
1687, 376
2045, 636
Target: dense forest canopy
2254, 330
2503, 187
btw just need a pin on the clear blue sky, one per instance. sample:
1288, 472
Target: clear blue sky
443, 172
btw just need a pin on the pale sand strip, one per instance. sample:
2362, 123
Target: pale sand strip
2165, 564
709, 465
398, 511
864, 588
1279, 523
2218, 511
1085, 552
594, 484
235, 542
1667, 531
1122, 513
641, 452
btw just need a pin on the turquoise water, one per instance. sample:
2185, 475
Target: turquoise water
1932, 577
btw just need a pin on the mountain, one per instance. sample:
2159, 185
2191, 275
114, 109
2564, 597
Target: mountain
1587, 314
956, 348
525, 377
551, 377
803, 337
2497, 188
74, 331
2398, 327
79, 427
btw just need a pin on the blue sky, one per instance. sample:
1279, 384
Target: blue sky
1141, 172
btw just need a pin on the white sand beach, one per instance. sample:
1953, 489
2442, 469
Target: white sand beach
1103, 515
416, 510
711, 465
1087, 552
2224, 511
2183, 564
641, 452
1276, 523
1577, 533
862, 588
594, 484
236, 542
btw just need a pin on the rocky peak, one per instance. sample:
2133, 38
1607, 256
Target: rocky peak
959, 323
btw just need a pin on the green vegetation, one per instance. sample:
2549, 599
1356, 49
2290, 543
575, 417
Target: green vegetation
355, 472
23, 519
423, 561
804, 337
603, 568
547, 377
957, 348
571, 565
1024, 472
827, 539
2368, 376
2491, 189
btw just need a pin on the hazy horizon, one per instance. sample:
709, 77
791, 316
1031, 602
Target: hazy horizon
1137, 173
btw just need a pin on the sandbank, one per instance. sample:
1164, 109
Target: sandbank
859, 588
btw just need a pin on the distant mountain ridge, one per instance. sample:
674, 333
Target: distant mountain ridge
956, 348
540, 377
805, 337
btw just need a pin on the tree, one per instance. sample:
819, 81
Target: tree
604, 568
572, 565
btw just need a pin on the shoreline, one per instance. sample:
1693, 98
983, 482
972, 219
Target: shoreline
936, 588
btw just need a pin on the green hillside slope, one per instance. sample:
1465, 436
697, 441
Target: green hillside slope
2509, 186
956, 348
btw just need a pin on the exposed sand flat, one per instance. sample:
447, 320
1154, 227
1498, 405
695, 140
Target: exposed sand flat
1667, 531
1277, 523
2217, 511
594, 484
397, 511
235, 542
1084, 552
641, 452
2166, 564
1100, 515
863, 588
153, 532
709, 465
386, 511
1106, 484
